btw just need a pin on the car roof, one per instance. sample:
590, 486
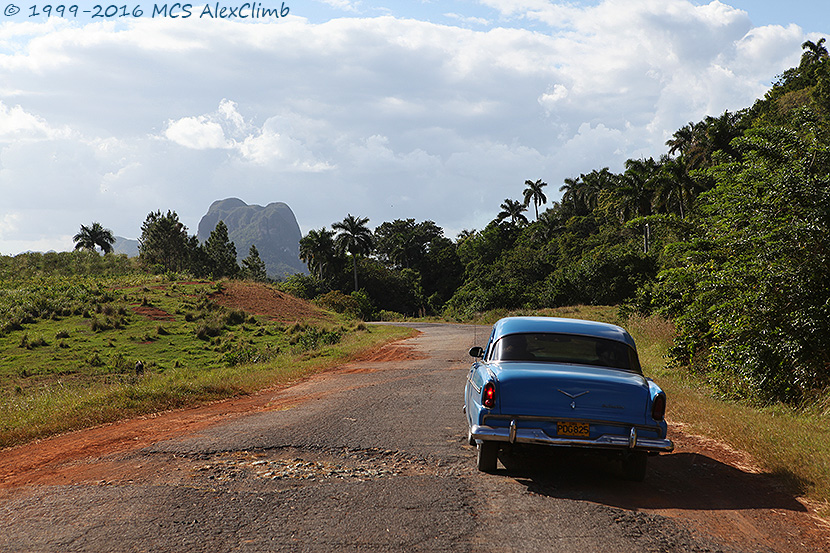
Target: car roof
556, 325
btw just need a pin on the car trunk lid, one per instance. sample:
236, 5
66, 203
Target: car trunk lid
571, 391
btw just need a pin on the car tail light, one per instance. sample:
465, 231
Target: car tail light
488, 395
658, 408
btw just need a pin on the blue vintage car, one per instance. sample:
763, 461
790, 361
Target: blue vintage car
563, 383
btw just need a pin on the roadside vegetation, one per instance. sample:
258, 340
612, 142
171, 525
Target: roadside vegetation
81, 350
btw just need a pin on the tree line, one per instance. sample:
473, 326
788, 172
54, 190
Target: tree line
165, 246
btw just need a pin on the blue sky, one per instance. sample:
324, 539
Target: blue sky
429, 110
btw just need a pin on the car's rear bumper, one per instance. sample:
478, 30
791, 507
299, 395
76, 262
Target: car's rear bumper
514, 434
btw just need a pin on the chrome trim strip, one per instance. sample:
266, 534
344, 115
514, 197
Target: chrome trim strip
537, 436
604, 422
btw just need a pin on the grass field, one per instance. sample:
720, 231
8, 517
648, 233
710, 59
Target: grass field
78, 352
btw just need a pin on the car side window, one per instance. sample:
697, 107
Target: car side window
513, 347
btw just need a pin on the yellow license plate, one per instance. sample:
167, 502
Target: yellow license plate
580, 429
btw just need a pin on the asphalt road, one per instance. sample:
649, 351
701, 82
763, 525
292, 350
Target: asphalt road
371, 457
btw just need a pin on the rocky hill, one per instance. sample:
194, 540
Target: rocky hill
273, 229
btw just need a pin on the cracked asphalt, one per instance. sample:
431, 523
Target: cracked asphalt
371, 457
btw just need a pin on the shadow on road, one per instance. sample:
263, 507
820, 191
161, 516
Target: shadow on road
681, 481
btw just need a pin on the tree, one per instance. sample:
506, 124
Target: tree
253, 267
354, 237
221, 252
636, 188
592, 185
750, 294
95, 235
319, 252
570, 190
164, 241
514, 211
403, 242
815, 53
675, 187
697, 142
533, 193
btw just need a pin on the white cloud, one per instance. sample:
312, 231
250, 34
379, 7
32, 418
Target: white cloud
554, 94
197, 133
16, 124
382, 117
8, 223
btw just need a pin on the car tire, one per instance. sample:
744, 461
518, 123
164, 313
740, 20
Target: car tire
634, 466
487, 454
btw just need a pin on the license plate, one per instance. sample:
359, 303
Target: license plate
580, 429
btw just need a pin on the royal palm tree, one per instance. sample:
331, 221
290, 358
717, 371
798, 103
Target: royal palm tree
464, 235
682, 140
675, 187
592, 185
632, 197
814, 52
95, 235
534, 193
354, 237
514, 210
318, 251
570, 191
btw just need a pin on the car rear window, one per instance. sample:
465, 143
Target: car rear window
566, 348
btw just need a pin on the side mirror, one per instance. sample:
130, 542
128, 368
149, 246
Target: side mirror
476, 351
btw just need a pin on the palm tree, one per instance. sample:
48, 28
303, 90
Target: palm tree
592, 185
355, 238
571, 192
683, 139
464, 234
637, 186
814, 53
95, 235
318, 251
534, 193
675, 187
514, 210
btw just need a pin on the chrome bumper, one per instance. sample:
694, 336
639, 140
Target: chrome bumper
537, 436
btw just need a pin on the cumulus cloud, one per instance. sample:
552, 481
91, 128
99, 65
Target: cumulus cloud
18, 125
384, 117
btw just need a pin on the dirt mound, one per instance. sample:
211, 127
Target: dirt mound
262, 299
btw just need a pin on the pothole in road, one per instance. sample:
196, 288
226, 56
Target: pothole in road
296, 464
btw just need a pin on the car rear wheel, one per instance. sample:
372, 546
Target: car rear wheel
486, 456
634, 466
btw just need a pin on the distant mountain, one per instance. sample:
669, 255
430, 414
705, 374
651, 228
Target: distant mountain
125, 245
273, 229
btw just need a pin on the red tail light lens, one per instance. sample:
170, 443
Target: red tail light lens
658, 408
488, 395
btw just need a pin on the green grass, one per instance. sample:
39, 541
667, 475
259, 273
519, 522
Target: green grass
69, 349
